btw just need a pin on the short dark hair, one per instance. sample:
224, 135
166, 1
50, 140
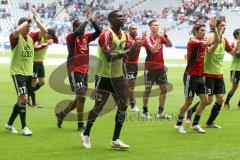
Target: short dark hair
154, 20
112, 14
197, 27
75, 23
22, 20
236, 32
51, 31
219, 21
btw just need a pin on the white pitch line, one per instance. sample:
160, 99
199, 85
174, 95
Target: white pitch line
59, 61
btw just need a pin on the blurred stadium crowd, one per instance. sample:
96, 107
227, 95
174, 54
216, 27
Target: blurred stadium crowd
174, 14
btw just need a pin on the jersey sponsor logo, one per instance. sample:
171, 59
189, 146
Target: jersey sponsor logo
83, 48
27, 51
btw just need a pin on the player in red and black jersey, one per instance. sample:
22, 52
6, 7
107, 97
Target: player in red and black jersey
213, 72
194, 81
155, 71
131, 66
77, 66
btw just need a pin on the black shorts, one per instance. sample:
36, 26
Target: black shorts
215, 86
194, 84
131, 71
38, 70
235, 77
22, 84
155, 75
116, 86
78, 81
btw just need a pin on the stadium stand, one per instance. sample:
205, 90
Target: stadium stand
177, 15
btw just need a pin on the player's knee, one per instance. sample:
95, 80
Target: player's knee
219, 99
122, 106
34, 81
120, 117
187, 104
23, 99
209, 101
80, 93
132, 83
41, 83
131, 87
148, 89
163, 90
204, 102
234, 88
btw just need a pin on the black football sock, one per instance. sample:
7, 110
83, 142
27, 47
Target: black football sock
22, 113
88, 128
28, 102
196, 120
80, 124
192, 110
180, 120
214, 113
33, 97
239, 103
229, 96
160, 109
145, 109
119, 119
13, 115
132, 103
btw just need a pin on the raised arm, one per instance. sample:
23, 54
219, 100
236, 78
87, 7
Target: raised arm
154, 48
22, 27
213, 38
40, 25
98, 30
236, 50
168, 42
79, 30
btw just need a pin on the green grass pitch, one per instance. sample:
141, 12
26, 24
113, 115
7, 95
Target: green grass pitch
148, 140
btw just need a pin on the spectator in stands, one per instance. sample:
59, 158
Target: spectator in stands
4, 2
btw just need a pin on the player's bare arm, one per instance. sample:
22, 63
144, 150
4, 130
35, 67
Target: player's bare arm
22, 27
98, 30
213, 37
236, 50
40, 25
168, 41
154, 48
131, 50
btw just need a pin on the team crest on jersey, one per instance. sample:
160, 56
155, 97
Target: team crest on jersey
85, 40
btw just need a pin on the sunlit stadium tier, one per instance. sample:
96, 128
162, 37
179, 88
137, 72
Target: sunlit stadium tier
177, 15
